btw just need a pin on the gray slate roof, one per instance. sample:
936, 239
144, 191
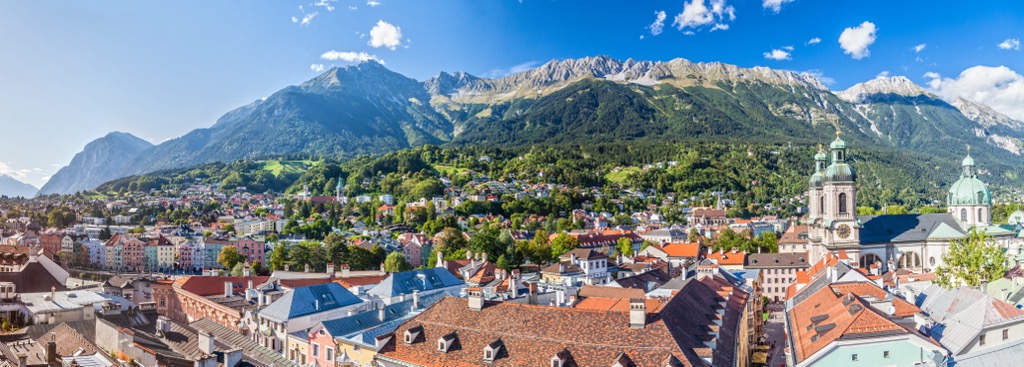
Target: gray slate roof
421, 280
255, 354
961, 314
1008, 355
903, 227
309, 300
777, 260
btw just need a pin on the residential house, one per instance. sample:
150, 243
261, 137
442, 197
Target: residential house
399, 286
779, 271
969, 322
576, 267
857, 323
729, 260
303, 308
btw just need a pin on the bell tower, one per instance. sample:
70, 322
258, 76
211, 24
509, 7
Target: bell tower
837, 228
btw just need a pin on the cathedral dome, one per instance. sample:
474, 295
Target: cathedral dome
838, 143
839, 172
969, 190
815, 180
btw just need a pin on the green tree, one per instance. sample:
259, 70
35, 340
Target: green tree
238, 270
563, 243
278, 257
970, 261
625, 246
229, 256
395, 262
502, 263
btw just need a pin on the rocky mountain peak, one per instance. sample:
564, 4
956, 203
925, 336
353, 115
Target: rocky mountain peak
985, 115
883, 85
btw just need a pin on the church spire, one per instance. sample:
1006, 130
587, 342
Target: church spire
968, 165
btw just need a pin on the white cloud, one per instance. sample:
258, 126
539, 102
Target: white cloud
932, 75
349, 56
385, 34
307, 18
696, 14
777, 54
998, 87
353, 7
787, 48
920, 47
689, 33
1010, 44
372, 3
295, 20
774, 5
514, 69
813, 41
719, 26
883, 74
855, 40
326, 4
659, 23
316, 67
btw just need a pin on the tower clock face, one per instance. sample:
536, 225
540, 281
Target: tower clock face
843, 231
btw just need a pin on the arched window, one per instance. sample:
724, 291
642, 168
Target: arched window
981, 215
910, 260
869, 259
963, 215
821, 205
842, 203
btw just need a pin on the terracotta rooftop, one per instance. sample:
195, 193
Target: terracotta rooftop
207, 286
610, 292
728, 257
682, 249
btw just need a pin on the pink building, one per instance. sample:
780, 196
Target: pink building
252, 249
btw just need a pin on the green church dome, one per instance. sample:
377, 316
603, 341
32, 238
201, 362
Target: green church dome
969, 190
815, 180
839, 172
838, 143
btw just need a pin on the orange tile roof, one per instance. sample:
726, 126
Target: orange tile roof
600, 291
865, 289
826, 316
613, 304
728, 257
680, 249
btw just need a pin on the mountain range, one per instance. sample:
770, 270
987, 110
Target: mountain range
368, 109
11, 187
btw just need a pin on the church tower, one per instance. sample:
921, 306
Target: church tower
815, 205
969, 200
836, 227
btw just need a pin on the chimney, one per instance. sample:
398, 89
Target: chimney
1005, 295
51, 350
53, 294
330, 270
440, 260
163, 324
245, 271
286, 267
415, 299
533, 293
469, 255
305, 268
637, 313
401, 297
228, 289
205, 342
22, 360
476, 299
351, 312
344, 270
382, 272
513, 284
381, 315
984, 286
483, 257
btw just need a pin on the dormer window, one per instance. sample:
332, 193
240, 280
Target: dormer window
559, 359
412, 333
491, 350
445, 342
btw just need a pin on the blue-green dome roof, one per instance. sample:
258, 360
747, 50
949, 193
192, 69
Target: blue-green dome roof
838, 143
815, 180
969, 190
839, 172
821, 156
968, 161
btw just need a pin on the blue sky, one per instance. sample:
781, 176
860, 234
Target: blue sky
71, 72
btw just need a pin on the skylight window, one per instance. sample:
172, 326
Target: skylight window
327, 298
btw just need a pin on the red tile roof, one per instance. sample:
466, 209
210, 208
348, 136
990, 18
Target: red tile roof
208, 286
728, 257
682, 249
